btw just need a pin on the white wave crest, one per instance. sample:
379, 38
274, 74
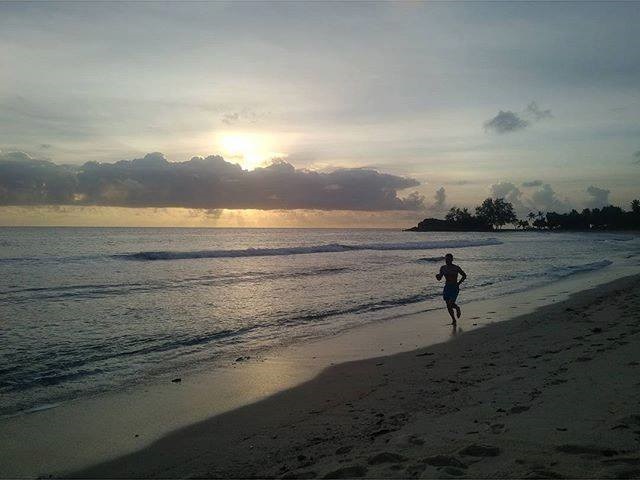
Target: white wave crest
328, 248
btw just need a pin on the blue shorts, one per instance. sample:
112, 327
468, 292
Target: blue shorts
450, 292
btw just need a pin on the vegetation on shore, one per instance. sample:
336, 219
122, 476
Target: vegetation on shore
493, 214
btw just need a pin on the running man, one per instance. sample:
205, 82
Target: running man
451, 285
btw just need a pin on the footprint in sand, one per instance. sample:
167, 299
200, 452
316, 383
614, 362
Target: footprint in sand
621, 426
557, 381
584, 359
415, 470
586, 450
292, 475
344, 450
622, 461
478, 450
497, 428
386, 457
544, 473
456, 472
384, 431
354, 471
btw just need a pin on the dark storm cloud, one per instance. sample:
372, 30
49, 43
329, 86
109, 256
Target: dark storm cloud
506, 122
26, 181
532, 183
208, 183
599, 197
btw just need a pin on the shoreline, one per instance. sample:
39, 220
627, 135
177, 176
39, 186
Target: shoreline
413, 413
133, 420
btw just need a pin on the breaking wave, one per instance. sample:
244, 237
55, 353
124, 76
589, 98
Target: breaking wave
328, 248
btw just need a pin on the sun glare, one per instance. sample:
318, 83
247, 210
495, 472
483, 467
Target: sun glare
249, 150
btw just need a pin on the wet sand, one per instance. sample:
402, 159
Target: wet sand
551, 394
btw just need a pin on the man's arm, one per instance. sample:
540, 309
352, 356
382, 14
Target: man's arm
464, 275
439, 275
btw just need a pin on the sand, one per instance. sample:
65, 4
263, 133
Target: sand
551, 394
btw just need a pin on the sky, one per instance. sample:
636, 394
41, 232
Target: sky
318, 114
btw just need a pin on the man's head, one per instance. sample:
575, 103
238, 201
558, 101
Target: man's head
448, 258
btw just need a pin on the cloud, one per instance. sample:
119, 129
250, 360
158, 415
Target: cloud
243, 116
230, 118
636, 157
506, 122
26, 181
506, 190
546, 199
440, 200
599, 197
510, 193
532, 183
536, 114
205, 183
441, 197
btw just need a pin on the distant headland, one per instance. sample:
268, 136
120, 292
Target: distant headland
494, 214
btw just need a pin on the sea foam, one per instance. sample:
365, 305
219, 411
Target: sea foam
327, 248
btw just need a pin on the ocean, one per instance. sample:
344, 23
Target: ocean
90, 310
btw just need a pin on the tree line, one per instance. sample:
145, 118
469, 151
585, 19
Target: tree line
494, 214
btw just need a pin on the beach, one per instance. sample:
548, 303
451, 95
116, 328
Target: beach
550, 394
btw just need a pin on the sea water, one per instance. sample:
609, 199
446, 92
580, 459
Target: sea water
88, 310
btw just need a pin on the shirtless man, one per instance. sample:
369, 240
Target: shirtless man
451, 285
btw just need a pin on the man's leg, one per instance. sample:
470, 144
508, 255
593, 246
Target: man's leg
450, 305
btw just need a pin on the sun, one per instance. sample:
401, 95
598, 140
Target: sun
250, 150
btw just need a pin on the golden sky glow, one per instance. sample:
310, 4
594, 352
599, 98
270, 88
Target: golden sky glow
75, 216
250, 150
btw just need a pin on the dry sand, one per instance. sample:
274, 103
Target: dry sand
552, 394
